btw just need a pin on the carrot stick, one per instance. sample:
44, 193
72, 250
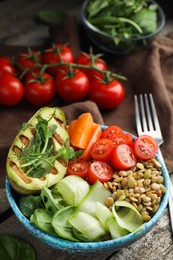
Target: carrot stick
95, 135
82, 131
71, 128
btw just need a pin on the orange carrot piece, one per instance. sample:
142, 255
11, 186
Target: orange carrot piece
82, 131
95, 135
70, 128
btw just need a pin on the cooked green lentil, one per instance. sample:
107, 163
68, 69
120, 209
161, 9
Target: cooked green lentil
142, 186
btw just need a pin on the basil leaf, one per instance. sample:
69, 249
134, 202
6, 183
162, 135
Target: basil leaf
13, 247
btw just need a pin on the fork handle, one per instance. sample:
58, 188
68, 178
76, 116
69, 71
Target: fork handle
170, 202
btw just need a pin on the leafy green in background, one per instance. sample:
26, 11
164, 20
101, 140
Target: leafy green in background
14, 248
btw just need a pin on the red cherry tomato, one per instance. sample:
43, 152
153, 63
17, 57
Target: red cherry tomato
123, 157
106, 95
111, 131
72, 88
54, 55
40, 91
101, 171
89, 59
79, 167
29, 59
6, 66
11, 90
102, 150
145, 147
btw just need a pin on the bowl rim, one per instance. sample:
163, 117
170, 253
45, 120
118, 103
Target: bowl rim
108, 245
95, 29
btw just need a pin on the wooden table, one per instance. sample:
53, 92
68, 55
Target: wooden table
158, 243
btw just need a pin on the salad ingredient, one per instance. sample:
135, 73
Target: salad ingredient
111, 132
61, 224
127, 216
6, 66
11, 90
30, 203
115, 230
42, 219
13, 247
145, 147
97, 193
73, 189
70, 128
87, 225
95, 135
106, 94
103, 214
39, 153
141, 185
90, 59
78, 167
100, 170
102, 150
56, 54
72, 86
39, 90
123, 157
82, 131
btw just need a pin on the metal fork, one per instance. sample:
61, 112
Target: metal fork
147, 123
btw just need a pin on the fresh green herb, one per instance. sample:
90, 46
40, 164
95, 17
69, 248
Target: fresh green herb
30, 203
39, 156
13, 247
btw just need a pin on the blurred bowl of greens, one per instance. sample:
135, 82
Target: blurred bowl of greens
120, 26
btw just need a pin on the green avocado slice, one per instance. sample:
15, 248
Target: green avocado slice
34, 158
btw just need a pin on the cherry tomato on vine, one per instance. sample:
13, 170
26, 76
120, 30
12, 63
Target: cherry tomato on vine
6, 66
145, 147
72, 86
39, 90
101, 171
79, 167
11, 90
54, 54
29, 59
89, 59
102, 150
107, 95
123, 157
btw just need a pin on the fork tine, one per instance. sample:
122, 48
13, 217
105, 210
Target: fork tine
155, 117
137, 116
148, 112
144, 121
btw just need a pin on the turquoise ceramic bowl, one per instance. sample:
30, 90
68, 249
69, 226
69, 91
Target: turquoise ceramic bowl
89, 247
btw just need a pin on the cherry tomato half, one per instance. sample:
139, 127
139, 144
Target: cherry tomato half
90, 59
111, 131
123, 157
54, 54
145, 147
106, 95
72, 88
102, 150
101, 171
11, 90
79, 167
39, 91
6, 66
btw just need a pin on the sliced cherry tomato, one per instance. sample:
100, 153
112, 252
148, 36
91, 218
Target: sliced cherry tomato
123, 138
102, 150
6, 66
111, 131
101, 171
11, 90
79, 167
107, 95
145, 147
72, 88
55, 54
123, 157
91, 59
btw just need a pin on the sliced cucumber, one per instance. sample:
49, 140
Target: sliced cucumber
87, 225
103, 214
73, 189
115, 230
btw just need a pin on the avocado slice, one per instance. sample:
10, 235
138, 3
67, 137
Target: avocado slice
29, 176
